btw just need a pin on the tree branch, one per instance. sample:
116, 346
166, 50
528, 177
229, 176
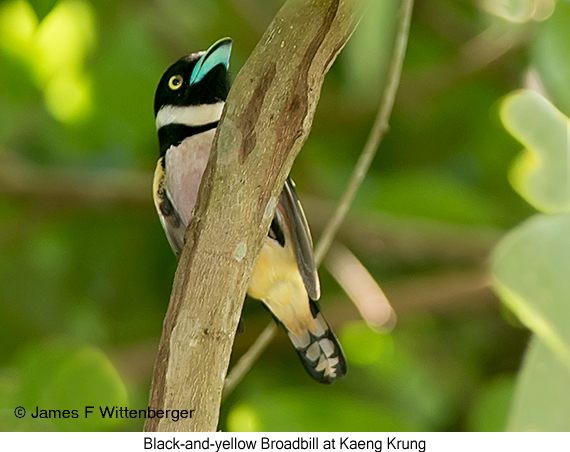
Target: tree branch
267, 118
71, 186
379, 129
361, 288
397, 238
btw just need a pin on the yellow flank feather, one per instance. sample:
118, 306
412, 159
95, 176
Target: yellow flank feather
276, 280
156, 182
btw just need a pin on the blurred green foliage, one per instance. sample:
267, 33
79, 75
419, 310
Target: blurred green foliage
59, 376
530, 266
86, 272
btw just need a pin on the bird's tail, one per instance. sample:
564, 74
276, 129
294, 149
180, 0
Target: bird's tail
320, 352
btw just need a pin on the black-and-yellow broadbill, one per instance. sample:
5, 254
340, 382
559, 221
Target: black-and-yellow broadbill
187, 106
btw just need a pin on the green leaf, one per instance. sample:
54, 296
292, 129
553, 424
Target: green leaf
549, 55
530, 269
541, 174
542, 396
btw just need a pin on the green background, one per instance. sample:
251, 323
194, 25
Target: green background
86, 272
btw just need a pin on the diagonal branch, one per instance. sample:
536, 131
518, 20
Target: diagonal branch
379, 129
267, 118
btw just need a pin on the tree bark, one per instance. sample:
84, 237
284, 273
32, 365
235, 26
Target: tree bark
267, 119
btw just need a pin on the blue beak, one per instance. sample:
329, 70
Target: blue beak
218, 53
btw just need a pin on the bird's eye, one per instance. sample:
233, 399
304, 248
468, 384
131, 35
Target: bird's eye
175, 82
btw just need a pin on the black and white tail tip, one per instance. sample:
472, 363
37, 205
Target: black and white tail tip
320, 353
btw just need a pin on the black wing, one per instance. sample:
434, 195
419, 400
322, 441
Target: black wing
169, 216
302, 241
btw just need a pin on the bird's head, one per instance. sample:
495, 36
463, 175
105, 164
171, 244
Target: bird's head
194, 80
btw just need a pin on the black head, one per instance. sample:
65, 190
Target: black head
196, 79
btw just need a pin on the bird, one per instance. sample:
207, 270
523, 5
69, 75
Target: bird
188, 104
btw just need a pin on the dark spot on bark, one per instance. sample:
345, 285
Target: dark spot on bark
251, 113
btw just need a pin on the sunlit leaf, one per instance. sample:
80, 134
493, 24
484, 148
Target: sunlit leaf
63, 41
68, 96
541, 174
542, 397
17, 25
530, 269
42, 7
64, 37
550, 52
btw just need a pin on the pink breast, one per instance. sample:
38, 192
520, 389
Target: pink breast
185, 166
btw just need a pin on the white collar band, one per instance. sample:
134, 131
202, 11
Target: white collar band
192, 115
